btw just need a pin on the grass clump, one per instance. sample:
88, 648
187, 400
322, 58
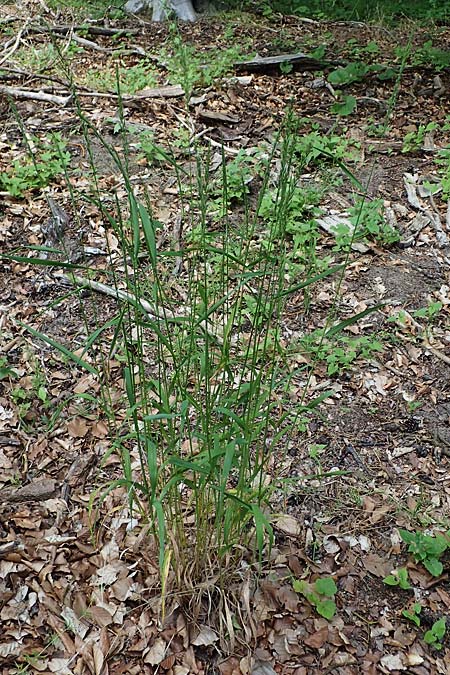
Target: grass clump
202, 379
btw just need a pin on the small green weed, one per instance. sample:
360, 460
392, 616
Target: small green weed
356, 49
192, 69
413, 140
427, 55
45, 160
413, 614
429, 312
340, 353
398, 578
344, 107
443, 162
367, 223
5, 370
127, 79
357, 71
427, 549
46, 58
320, 594
149, 149
436, 634
368, 217
315, 148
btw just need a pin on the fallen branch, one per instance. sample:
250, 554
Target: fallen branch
174, 91
14, 73
164, 315
35, 95
112, 292
299, 60
89, 44
93, 30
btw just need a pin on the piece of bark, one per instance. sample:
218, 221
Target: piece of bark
34, 492
270, 63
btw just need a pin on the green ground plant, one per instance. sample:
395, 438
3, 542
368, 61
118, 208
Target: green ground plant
320, 594
385, 11
413, 140
357, 71
426, 55
198, 418
201, 380
413, 614
367, 223
443, 163
427, 549
341, 352
126, 79
398, 577
42, 161
6, 371
193, 69
435, 635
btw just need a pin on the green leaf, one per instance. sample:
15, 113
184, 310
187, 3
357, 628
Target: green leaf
326, 608
391, 580
334, 330
413, 616
325, 586
429, 637
402, 573
345, 107
434, 567
299, 586
311, 280
148, 225
6, 371
57, 345
398, 578
439, 628
407, 537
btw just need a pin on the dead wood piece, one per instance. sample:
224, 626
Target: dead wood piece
171, 91
119, 295
299, 60
164, 314
216, 116
35, 95
7, 440
93, 30
34, 492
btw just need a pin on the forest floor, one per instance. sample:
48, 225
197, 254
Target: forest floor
81, 599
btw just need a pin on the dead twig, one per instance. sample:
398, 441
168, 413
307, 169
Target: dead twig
15, 43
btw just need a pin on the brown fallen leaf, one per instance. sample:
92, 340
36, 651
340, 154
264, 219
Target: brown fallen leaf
287, 524
317, 639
